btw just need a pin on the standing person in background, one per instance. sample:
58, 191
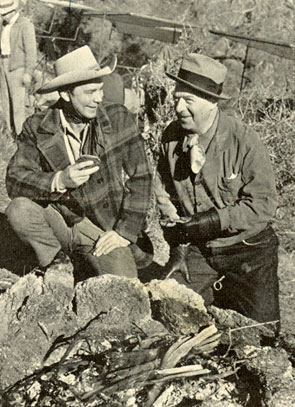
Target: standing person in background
216, 192
18, 55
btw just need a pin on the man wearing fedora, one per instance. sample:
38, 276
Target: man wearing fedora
216, 192
80, 180
18, 57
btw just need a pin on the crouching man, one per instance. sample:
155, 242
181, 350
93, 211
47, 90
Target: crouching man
216, 192
67, 177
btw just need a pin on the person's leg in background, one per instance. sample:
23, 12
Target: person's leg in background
17, 93
4, 92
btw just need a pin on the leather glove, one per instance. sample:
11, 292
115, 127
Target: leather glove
177, 262
203, 226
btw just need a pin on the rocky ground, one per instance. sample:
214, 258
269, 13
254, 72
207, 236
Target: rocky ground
105, 341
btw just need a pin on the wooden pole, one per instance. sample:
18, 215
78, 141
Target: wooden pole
244, 68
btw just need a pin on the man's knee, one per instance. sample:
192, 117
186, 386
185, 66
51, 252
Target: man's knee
119, 262
18, 210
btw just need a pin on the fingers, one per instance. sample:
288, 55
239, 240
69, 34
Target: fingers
88, 171
86, 167
105, 245
167, 222
83, 164
108, 242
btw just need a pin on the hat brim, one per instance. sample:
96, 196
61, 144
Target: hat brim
7, 10
73, 77
222, 96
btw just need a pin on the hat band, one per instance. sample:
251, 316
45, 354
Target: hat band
7, 5
200, 81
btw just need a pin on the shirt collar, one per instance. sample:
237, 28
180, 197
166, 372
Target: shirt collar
67, 127
204, 139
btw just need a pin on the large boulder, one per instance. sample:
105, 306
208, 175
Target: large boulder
39, 311
33, 315
114, 305
274, 375
180, 309
238, 330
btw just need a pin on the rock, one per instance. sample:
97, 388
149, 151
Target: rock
276, 376
37, 311
180, 309
59, 281
239, 330
7, 279
285, 396
33, 316
119, 305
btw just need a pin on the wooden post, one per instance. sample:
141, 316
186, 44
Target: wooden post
244, 68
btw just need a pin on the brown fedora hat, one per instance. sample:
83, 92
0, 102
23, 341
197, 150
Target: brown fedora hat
77, 66
6, 6
203, 74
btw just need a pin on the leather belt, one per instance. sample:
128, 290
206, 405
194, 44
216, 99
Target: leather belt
4, 56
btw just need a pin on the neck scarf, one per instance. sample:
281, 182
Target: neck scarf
197, 154
72, 115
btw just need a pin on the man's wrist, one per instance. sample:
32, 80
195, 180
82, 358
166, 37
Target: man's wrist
203, 226
58, 184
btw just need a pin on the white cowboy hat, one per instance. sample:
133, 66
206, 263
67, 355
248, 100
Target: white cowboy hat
203, 74
6, 6
77, 66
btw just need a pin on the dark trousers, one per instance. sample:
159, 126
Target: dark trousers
248, 273
46, 231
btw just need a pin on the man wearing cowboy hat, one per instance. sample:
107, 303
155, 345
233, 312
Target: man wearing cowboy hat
18, 56
216, 192
68, 176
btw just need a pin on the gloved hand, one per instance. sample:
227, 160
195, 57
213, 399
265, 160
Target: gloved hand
203, 226
177, 262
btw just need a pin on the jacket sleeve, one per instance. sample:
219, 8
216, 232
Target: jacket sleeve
25, 176
138, 186
255, 202
30, 47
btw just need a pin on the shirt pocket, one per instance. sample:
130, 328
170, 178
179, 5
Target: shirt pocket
229, 188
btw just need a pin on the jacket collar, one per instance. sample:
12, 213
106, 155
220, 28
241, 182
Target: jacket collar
52, 119
50, 135
223, 134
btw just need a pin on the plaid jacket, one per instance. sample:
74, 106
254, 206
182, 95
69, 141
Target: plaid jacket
105, 198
